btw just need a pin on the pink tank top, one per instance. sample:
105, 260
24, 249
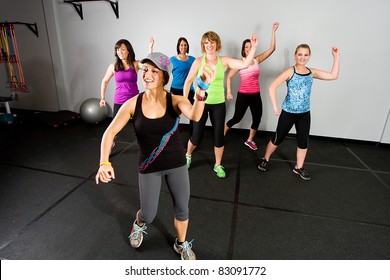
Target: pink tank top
250, 79
126, 85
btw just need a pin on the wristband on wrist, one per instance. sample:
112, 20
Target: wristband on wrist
105, 163
202, 84
201, 98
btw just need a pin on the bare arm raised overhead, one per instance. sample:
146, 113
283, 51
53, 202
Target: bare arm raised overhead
238, 64
264, 55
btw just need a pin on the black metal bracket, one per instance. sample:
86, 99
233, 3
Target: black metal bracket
32, 26
79, 8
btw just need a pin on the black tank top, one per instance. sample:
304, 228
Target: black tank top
159, 141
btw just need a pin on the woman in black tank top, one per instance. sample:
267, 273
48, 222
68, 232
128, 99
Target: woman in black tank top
156, 118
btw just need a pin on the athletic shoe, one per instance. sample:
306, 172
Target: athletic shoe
185, 250
220, 171
136, 235
251, 144
302, 173
188, 158
263, 165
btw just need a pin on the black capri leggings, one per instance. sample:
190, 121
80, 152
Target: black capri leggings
191, 93
253, 101
116, 109
178, 91
302, 126
217, 117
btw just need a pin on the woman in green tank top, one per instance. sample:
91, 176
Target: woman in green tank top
215, 102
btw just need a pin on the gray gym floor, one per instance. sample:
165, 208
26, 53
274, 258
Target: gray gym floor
51, 208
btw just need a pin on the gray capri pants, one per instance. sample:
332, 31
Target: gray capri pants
178, 183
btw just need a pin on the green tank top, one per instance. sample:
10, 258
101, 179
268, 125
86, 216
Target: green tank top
216, 91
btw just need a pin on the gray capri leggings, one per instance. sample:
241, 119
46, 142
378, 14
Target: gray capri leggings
178, 183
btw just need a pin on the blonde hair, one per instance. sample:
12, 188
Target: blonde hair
211, 36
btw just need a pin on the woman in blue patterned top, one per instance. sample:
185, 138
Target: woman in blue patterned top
296, 105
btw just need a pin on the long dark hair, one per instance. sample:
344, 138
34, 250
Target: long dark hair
130, 58
243, 47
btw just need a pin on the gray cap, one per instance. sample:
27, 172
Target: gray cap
161, 60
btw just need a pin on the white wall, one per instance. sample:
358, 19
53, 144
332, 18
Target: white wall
355, 106
386, 131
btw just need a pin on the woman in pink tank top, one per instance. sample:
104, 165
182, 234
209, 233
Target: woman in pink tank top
248, 94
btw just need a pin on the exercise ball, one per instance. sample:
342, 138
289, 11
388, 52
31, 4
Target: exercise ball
91, 112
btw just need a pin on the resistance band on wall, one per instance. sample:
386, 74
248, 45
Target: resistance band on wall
10, 56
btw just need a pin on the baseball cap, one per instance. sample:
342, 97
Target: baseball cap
160, 60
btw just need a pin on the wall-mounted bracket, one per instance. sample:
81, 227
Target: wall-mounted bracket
32, 26
79, 8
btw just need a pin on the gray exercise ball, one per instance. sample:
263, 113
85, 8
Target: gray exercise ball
91, 112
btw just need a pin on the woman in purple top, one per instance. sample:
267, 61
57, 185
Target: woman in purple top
124, 69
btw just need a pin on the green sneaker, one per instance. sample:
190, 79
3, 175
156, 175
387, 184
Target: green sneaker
188, 158
220, 171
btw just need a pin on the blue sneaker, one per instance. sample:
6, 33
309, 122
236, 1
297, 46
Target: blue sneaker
136, 235
185, 250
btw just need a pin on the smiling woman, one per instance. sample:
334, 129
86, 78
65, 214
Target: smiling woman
296, 105
124, 70
156, 114
215, 103
181, 66
248, 94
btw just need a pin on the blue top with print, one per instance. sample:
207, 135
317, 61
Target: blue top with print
297, 100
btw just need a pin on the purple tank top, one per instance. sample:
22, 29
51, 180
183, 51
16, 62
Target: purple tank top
126, 85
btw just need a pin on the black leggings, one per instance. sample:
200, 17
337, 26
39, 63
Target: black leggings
116, 109
285, 123
178, 91
217, 117
191, 93
253, 101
